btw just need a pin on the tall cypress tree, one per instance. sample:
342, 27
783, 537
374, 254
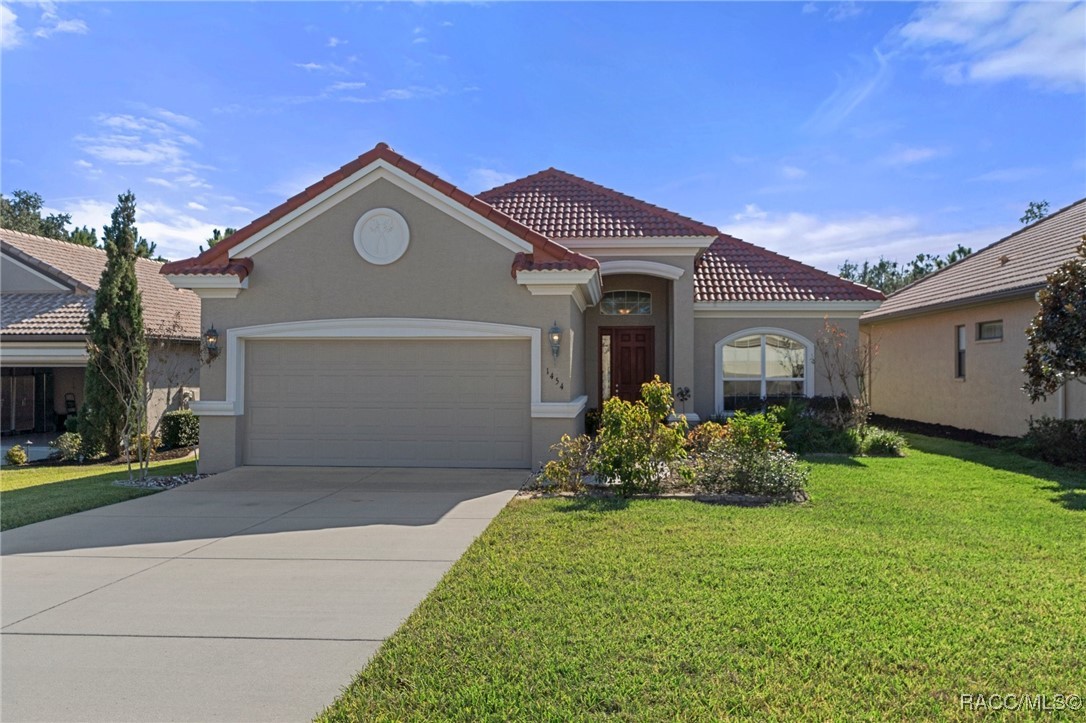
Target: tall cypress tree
117, 349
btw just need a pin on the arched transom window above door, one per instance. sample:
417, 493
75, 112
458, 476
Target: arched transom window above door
626, 303
761, 364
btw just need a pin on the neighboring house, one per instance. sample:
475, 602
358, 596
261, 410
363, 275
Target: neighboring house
952, 345
385, 317
46, 291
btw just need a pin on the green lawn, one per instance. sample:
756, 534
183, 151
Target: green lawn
902, 584
34, 494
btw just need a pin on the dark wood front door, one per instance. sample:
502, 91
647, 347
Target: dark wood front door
627, 360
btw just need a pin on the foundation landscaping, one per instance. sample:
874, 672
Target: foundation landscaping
901, 587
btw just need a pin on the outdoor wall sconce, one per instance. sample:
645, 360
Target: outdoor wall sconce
211, 341
555, 335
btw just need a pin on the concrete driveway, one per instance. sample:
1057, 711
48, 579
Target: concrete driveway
255, 594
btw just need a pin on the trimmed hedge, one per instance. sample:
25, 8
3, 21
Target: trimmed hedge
180, 428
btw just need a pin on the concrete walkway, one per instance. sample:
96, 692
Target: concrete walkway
253, 595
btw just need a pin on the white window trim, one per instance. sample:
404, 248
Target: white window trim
718, 364
378, 328
644, 268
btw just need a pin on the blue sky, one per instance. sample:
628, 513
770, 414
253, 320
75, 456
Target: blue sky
821, 130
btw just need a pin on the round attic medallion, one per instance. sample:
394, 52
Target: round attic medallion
381, 236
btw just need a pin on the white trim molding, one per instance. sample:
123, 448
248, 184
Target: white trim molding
645, 268
559, 410
583, 285
791, 309
718, 361
376, 328
44, 353
210, 286
639, 245
378, 170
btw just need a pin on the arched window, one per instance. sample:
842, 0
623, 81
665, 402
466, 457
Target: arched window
762, 363
626, 303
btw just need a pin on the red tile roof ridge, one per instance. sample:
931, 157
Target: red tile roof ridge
218, 255
696, 227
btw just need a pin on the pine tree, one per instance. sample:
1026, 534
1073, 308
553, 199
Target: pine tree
116, 346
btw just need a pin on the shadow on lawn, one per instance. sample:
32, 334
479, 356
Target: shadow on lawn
837, 460
1068, 484
595, 504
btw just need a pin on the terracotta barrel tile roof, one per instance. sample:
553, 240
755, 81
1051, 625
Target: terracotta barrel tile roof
84, 265
216, 260
562, 205
734, 270
1016, 264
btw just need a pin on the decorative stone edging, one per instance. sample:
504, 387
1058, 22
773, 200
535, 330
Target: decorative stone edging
737, 500
161, 483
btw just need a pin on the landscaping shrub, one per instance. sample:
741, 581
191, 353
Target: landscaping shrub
71, 423
180, 428
635, 449
146, 448
16, 455
567, 473
69, 447
883, 443
1059, 441
731, 469
702, 437
755, 432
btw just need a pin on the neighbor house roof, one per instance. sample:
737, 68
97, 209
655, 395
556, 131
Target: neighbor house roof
80, 268
734, 270
1015, 265
561, 205
216, 260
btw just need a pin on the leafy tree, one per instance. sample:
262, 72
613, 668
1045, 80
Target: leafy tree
84, 236
116, 347
23, 213
1057, 335
889, 276
217, 236
1035, 211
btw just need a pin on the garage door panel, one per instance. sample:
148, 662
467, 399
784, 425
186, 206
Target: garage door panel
388, 403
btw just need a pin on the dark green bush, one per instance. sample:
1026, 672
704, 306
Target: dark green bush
1059, 441
71, 424
69, 447
883, 443
755, 432
591, 422
180, 428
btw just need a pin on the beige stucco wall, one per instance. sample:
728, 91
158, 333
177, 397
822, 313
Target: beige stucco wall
172, 373
449, 271
708, 331
914, 371
16, 278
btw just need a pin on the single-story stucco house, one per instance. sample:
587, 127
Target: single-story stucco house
46, 291
383, 316
952, 345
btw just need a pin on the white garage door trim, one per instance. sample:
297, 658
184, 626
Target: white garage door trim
379, 328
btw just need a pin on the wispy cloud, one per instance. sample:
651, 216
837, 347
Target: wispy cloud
346, 85
413, 92
793, 173
1009, 175
1041, 42
827, 241
312, 67
11, 35
481, 179
334, 42
195, 206
908, 156
850, 93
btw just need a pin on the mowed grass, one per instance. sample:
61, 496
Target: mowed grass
34, 494
902, 584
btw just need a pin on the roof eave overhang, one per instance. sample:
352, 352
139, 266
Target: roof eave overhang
601, 246
874, 316
583, 285
794, 309
27, 350
210, 286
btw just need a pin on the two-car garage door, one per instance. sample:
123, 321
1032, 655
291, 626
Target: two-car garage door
417, 403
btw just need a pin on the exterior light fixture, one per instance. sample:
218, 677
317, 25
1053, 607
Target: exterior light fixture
555, 335
211, 341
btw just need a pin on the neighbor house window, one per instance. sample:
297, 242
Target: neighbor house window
626, 303
762, 365
959, 359
990, 330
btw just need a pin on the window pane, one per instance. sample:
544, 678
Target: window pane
988, 330
605, 366
784, 357
735, 393
625, 303
743, 358
782, 388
